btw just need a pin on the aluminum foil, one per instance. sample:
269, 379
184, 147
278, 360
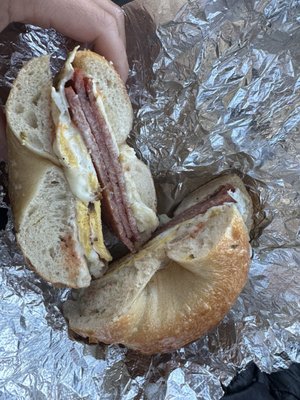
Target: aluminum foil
215, 88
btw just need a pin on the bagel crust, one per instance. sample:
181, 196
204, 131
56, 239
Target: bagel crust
181, 285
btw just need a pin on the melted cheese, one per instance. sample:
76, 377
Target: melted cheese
96, 266
146, 218
69, 145
76, 161
91, 236
96, 231
82, 219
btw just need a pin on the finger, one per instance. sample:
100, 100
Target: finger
118, 13
82, 20
114, 52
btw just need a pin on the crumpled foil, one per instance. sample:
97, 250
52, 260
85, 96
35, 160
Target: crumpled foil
216, 88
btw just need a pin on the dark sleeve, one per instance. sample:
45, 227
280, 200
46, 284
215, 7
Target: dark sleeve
285, 384
252, 384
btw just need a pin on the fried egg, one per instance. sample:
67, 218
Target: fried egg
80, 173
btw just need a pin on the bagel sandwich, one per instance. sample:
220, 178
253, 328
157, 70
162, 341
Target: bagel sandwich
180, 284
70, 168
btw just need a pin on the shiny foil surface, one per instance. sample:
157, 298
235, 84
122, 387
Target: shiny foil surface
216, 88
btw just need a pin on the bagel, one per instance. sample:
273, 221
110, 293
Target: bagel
70, 168
180, 284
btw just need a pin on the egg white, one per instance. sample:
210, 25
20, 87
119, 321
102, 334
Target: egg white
80, 173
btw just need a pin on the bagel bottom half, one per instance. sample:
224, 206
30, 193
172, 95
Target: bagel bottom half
179, 286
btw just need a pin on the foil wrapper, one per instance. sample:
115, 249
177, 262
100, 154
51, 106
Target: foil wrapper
215, 88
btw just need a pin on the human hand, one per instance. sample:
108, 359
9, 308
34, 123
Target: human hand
99, 22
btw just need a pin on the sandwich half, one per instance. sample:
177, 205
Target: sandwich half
70, 168
181, 283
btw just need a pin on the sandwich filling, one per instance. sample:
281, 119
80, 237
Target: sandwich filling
223, 195
93, 165
89, 120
